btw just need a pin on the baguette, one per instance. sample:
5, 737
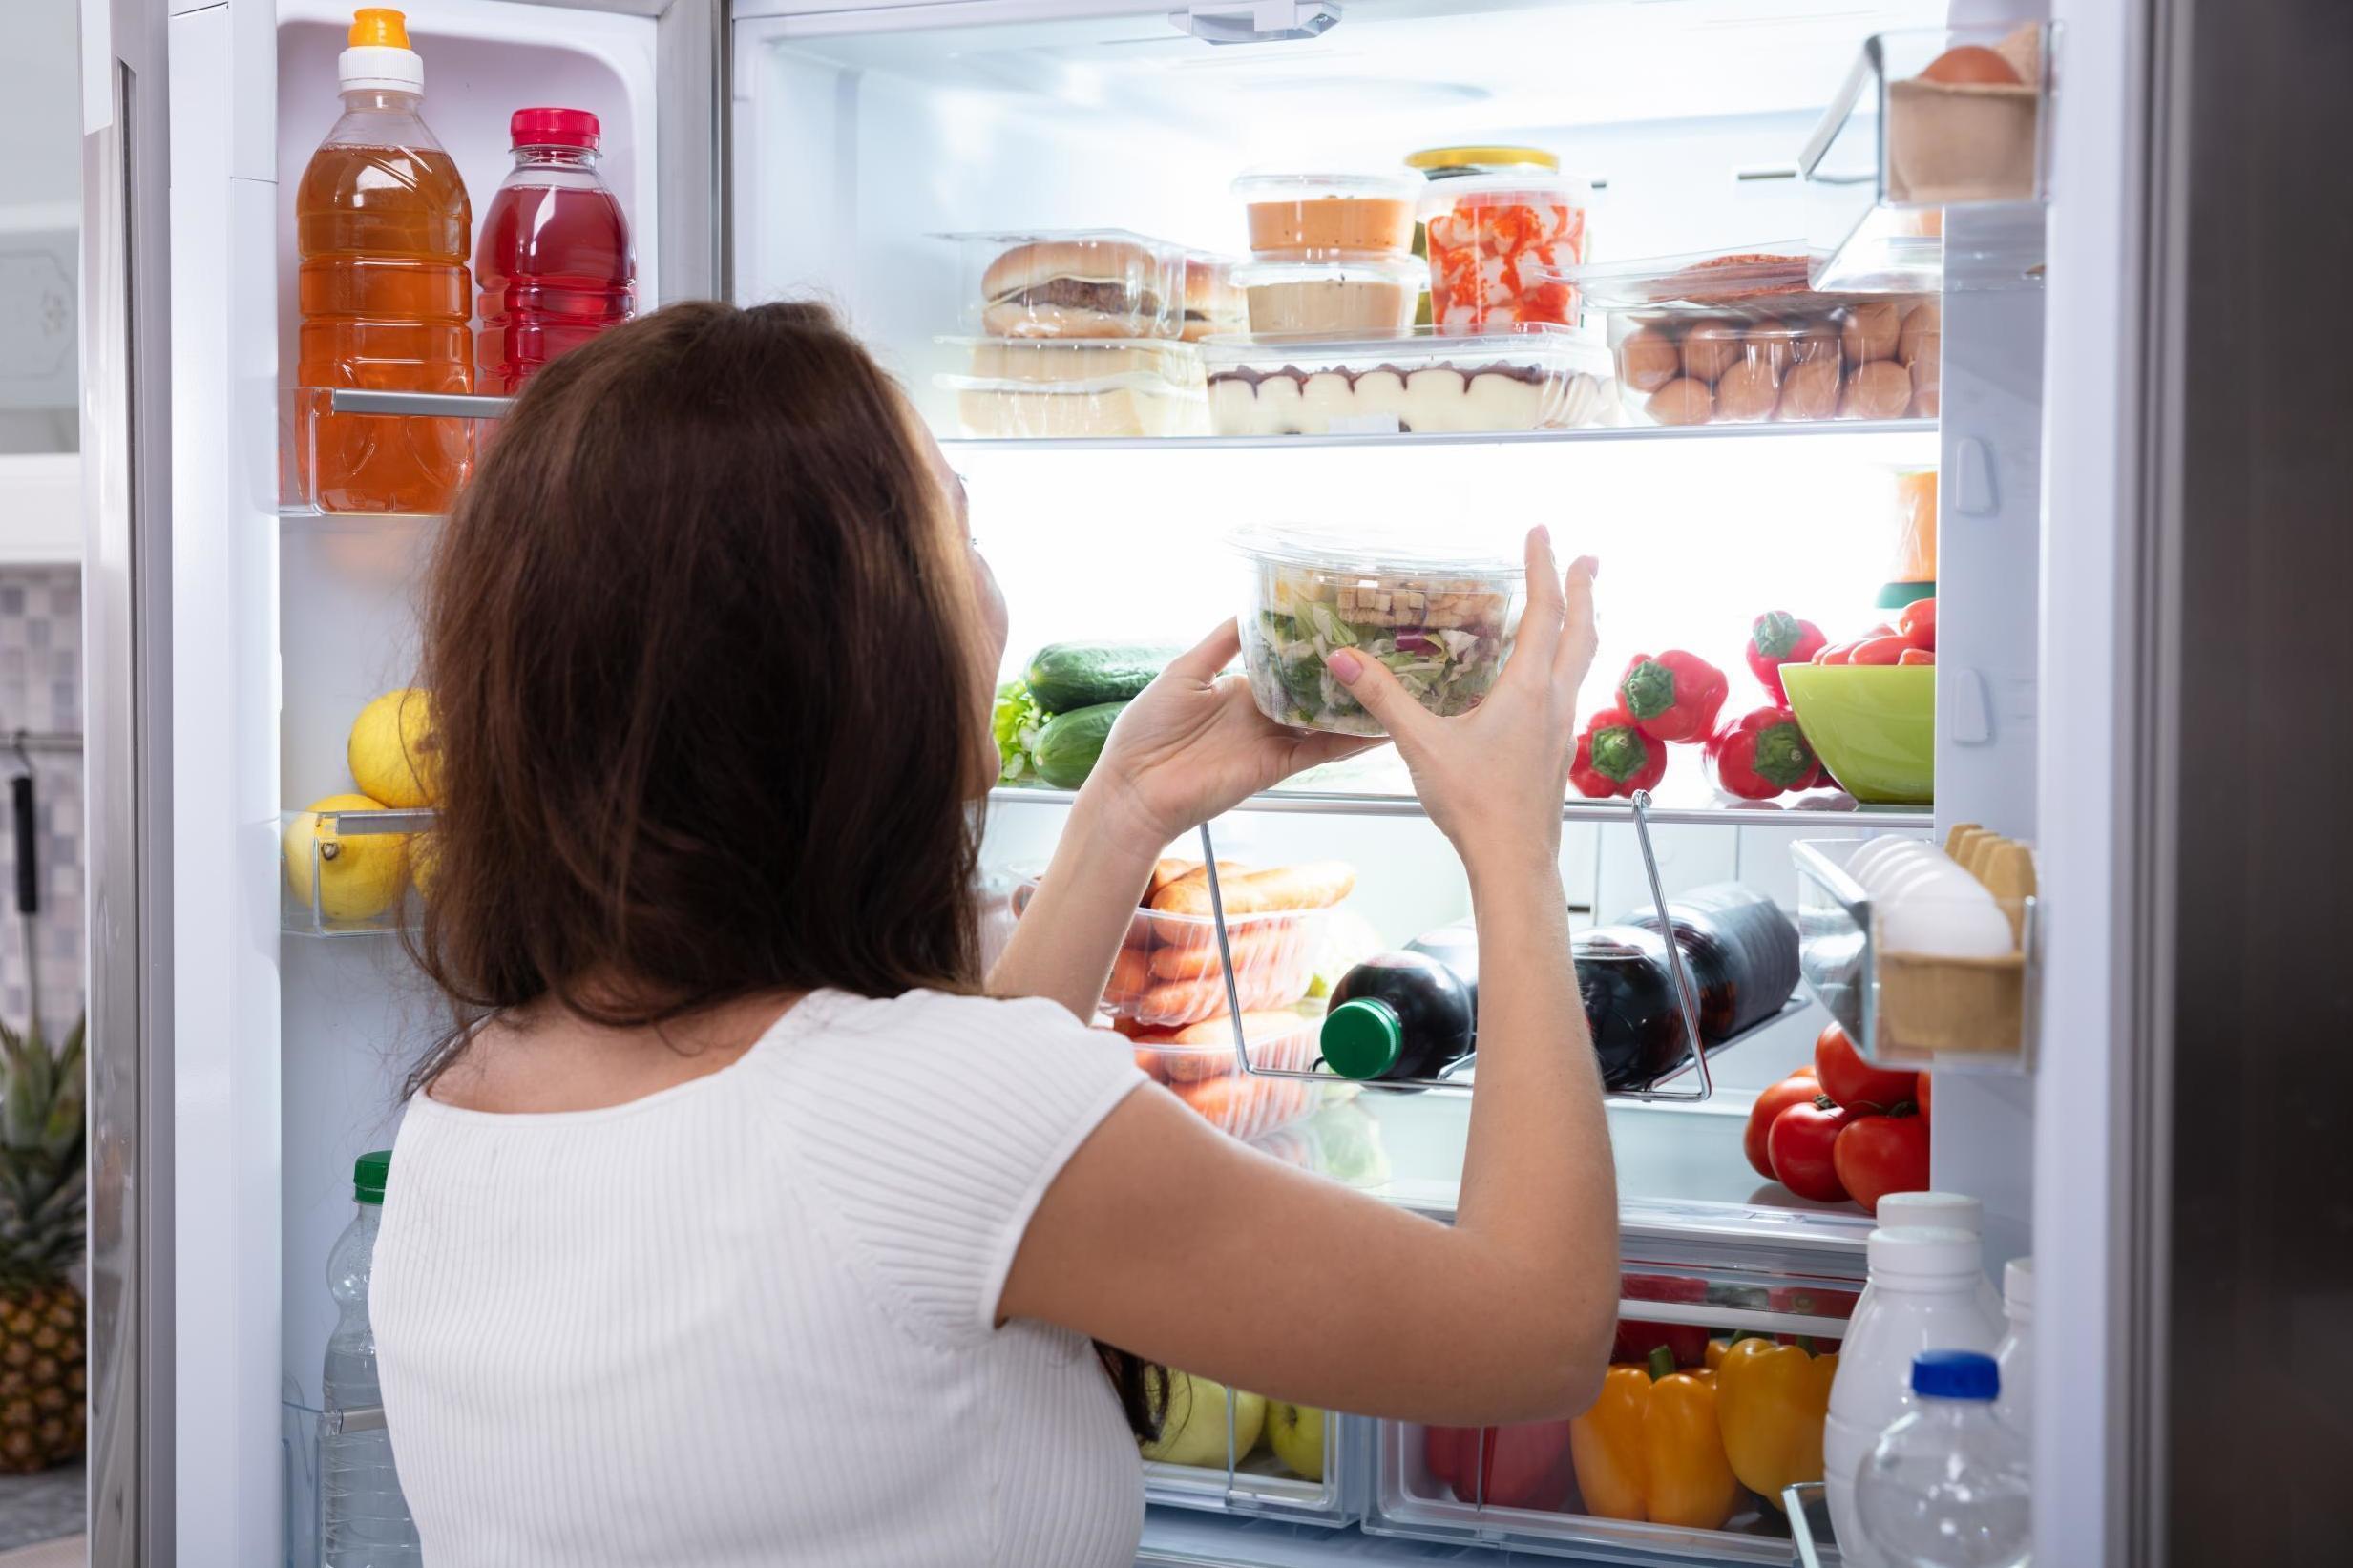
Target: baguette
1318, 885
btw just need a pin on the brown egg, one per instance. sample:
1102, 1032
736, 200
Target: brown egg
1924, 403
1815, 340
1881, 389
1710, 349
1647, 359
1870, 332
1969, 65
1748, 391
1811, 388
1774, 341
1924, 325
1682, 402
1927, 373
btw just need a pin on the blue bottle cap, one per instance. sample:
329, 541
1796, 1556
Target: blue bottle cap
1954, 1374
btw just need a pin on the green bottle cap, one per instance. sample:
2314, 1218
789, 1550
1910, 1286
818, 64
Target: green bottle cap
1895, 595
368, 1174
1361, 1038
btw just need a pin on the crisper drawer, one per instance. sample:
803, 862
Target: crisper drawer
1239, 1453
1682, 1458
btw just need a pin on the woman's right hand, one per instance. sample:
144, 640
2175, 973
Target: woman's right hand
1493, 779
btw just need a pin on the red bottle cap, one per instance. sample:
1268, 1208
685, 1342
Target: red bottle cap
553, 128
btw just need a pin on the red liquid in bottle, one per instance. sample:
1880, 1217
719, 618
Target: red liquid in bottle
555, 262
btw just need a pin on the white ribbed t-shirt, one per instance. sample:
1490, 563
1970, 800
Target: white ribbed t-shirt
747, 1320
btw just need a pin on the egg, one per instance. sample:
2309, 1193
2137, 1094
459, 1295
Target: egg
1945, 917
1774, 341
1881, 389
1710, 349
1815, 340
1648, 359
1969, 65
1682, 402
1748, 391
1922, 334
1871, 331
1874, 849
1811, 388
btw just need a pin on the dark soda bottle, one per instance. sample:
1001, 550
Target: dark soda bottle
1629, 1004
1457, 947
555, 262
1396, 1015
1741, 951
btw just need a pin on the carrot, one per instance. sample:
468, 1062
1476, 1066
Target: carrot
1245, 1106
1254, 946
1165, 871
1197, 883
1154, 1063
1175, 1002
1275, 1039
1255, 1027
1131, 975
1316, 885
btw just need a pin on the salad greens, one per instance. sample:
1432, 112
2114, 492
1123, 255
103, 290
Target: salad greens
1448, 654
1016, 721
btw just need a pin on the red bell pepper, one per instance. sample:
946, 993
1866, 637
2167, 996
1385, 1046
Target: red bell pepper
1879, 650
1615, 758
1638, 1338
1524, 1466
1778, 638
1917, 624
1674, 696
1761, 754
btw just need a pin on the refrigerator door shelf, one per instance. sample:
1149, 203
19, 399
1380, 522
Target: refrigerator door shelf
348, 872
1914, 183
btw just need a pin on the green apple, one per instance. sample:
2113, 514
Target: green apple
1194, 1432
1296, 1434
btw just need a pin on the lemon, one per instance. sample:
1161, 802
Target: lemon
359, 875
392, 751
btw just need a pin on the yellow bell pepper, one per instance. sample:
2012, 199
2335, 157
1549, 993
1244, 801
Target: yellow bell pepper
1652, 1448
1771, 1402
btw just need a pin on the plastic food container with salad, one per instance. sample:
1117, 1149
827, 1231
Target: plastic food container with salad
1441, 621
1503, 227
1741, 337
1301, 385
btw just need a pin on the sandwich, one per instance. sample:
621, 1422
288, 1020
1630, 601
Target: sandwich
1076, 288
1212, 304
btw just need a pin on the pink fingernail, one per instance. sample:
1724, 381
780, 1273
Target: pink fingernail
1346, 665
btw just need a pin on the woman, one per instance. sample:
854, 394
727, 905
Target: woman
738, 1223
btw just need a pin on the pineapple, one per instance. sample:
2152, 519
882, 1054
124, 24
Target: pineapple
41, 1210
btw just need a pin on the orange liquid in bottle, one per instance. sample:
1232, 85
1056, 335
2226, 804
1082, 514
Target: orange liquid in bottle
384, 233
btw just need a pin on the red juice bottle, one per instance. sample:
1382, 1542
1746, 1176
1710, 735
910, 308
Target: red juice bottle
555, 262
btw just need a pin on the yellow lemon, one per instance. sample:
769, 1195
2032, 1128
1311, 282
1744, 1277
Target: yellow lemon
393, 755
358, 875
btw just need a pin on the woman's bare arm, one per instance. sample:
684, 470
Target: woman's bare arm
1163, 1236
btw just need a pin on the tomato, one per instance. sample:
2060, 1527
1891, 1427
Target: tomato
1877, 650
1917, 624
1854, 1083
1799, 1144
1835, 654
1916, 656
1795, 1089
1876, 1155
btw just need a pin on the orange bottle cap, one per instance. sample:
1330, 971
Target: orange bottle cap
376, 27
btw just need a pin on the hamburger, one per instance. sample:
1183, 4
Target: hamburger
1076, 288
1212, 304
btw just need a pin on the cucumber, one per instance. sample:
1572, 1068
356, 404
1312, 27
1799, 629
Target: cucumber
1069, 744
1065, 677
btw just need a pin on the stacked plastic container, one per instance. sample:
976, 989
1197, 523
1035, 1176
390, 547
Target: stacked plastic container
1339, 303
1080, 332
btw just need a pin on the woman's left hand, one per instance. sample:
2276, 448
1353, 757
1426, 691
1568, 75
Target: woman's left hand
1191, 746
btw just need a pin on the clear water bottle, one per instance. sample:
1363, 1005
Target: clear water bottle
1947, 1485
366, 1523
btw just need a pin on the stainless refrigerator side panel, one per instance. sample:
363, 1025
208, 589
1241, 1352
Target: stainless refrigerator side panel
2255, 505
126, 448
690, 107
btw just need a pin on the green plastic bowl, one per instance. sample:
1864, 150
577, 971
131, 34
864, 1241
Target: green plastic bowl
1873, 725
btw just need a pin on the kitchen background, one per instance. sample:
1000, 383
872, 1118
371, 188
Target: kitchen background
40, 542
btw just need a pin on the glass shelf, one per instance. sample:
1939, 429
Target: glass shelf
1828, 808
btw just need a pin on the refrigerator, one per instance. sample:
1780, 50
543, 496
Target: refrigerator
246, 1050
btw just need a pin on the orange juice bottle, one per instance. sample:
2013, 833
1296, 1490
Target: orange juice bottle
383, 225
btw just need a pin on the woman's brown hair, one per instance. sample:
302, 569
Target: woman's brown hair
700, 640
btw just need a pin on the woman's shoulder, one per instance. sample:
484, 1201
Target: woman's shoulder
938, 1031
